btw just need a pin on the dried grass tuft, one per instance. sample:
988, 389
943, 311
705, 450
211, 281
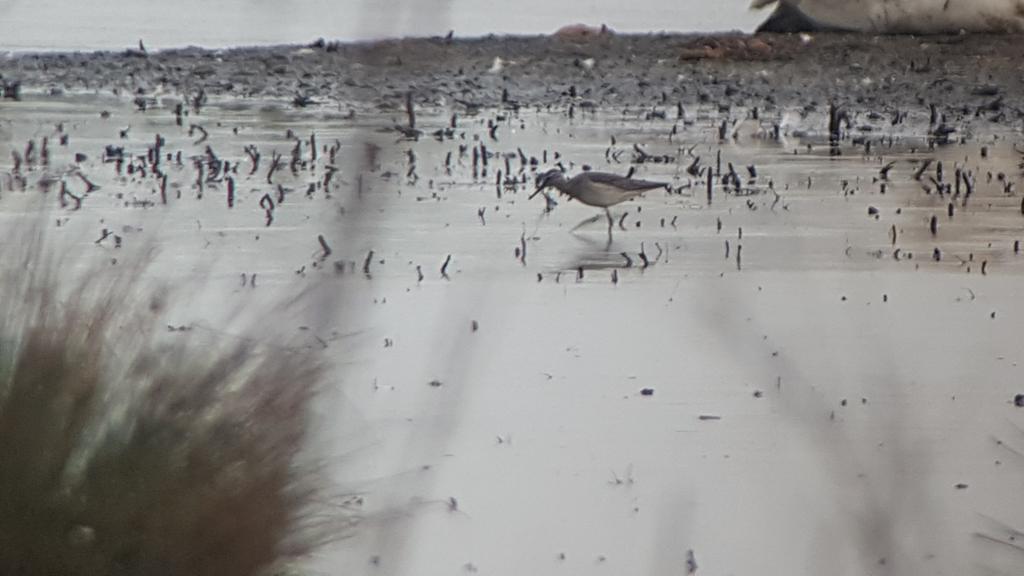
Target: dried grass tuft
127, 451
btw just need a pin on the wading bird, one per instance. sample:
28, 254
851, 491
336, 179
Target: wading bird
599, 189
893, 16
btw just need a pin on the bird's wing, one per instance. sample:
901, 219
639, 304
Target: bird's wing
629, 184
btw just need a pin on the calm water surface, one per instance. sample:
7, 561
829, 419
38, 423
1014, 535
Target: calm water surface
109, 25
811, 411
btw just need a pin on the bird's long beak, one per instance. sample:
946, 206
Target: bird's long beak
537, 191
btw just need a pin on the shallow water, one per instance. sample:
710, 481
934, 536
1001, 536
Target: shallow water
813, 405
106, 25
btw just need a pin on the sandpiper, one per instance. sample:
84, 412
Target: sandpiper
599, 189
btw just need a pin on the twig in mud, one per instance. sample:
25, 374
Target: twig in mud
231, 192
89, 186
254, 157
65, 193
323, 244
836, 116
275, 163
192, 128
366, 263
924, 166
444, 267
711, 184
328, 176
410, 111
296, 158
199, 100
883, 172
267, 203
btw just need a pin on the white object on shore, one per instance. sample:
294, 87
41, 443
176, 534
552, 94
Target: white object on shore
895, 16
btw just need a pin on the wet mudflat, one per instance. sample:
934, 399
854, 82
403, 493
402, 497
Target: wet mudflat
809, 369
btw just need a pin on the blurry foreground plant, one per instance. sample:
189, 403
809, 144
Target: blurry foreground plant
128, 450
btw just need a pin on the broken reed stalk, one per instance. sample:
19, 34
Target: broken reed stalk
125, 451
410, 110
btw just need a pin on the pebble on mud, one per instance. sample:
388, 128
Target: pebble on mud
647, 392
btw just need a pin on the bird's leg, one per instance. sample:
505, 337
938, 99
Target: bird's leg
585, 222
611, 221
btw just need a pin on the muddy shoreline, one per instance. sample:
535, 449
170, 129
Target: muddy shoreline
960, 74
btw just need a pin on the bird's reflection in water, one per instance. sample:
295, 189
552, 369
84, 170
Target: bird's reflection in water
595, 252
